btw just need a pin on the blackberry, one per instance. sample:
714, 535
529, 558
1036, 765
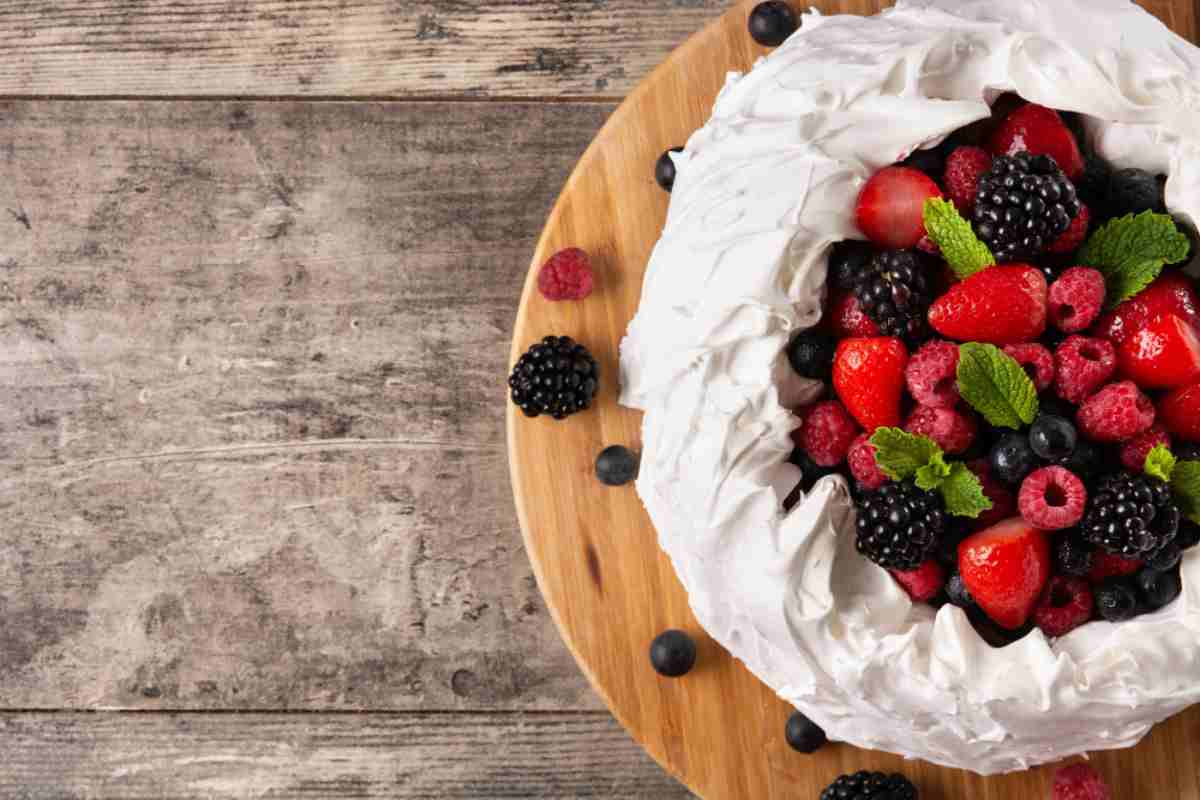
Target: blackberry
1130, 515
870, 786
1024, 203
894, 291
899, 525
811, 354
556, 376
848, 261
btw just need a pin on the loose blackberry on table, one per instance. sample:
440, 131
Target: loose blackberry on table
900, 525
557, 377
870, 786
1023, 205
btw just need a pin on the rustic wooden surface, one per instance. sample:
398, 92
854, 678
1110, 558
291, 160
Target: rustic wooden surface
251, 353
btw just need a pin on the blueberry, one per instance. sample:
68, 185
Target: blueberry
803, 735
616, 465
1087, 460
956, 590
1052, 438
1158, 589
847, 262
1165, 558
1116, 600
771, 23
1132, 191
1012, 458
664, 169
673, 654
811, 355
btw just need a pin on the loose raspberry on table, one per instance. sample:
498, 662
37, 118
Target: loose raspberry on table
922, 583
1036, 360
1079, 782
952, 429
932, 374
863, 467
1109, 565
1076, 299
1067, 604
566, 276
964, 167
848, 319
1081, 366
828, 433
1074, 235
1052, 498
1134, 451
1116, 412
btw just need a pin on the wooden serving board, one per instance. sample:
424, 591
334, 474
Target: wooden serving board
610, 589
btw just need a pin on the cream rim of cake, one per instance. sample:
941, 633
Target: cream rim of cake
762, 192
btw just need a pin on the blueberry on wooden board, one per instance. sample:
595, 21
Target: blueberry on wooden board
616, 465
803, 735
664, 169
771, 23
673, 654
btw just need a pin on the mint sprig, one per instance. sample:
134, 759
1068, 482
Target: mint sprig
1184, 477
902, 455
1131, 251
1160, 463
955, 237
996, 386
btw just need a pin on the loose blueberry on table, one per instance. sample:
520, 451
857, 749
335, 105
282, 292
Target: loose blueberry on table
673, 654
1012, 366
771, 23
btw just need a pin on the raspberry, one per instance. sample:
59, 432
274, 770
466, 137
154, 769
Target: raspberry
932, 375
1073, 236
1004, 505
1079, 782
1082, 365
1067, 604
566, 276
1076, 299
828, 432
964, 167
848, 318
1118, 411
1052, 498
951, 429
1134, 451
922, 583
861, 459
1036, 360
1108, 565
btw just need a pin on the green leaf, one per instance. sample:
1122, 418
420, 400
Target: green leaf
1131, 252
931, 476
1185, 485
996, 386
955, 237
900, 454
1160, 463
963, 493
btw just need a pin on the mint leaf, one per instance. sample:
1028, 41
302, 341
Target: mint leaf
1185, 485
955, 237
1160, 463
931, 476
1131, 251
996, 386
900, 454
963, 493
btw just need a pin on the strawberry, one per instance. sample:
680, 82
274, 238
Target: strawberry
1001, 305
868, 376
1163, 355
922, 583
891, 207
847, 318
1041, 131
964, 167
1179, 411
1172, 293
1005, 568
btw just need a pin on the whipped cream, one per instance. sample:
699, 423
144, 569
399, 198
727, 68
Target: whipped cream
761, 192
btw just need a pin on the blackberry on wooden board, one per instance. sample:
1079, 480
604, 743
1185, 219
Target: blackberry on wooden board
1023, 205
870, 786
557, 377
899, 526
894, 291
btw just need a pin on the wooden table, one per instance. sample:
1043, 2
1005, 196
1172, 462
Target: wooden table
259, 270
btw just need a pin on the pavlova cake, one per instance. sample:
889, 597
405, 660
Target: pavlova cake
921, 377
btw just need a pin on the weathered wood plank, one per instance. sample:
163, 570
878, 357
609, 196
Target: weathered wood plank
251, 449
311, 756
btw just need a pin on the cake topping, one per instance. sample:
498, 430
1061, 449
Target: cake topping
1023, 205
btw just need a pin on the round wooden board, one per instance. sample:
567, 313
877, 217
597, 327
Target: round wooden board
595, 553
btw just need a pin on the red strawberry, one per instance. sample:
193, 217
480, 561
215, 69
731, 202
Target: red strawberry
964, 167
1163, 355
1179, 411
1001, 305
1040, 131
1172, 293
891, 207
848, 319
868, 376
1005, 569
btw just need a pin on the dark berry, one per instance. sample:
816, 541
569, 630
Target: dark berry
1073, 555
1012, 459
957, 592
870, 786
673, 654
771, 23
803, 735
1158, 589
1165, 558
1087, 460
848, 261
1052, 438
1132, 191
811, 354
1093, 186
556, 376
1130, 515
894, 292
899, 526
930, 161
1023, 205
1116, 600
664, 169
616, 465
1188, 535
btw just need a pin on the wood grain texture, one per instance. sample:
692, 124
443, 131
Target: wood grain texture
594, 550
324, 757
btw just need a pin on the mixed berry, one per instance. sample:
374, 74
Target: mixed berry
1014, 380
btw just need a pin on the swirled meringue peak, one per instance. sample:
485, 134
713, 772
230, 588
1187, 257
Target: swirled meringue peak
762, 192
